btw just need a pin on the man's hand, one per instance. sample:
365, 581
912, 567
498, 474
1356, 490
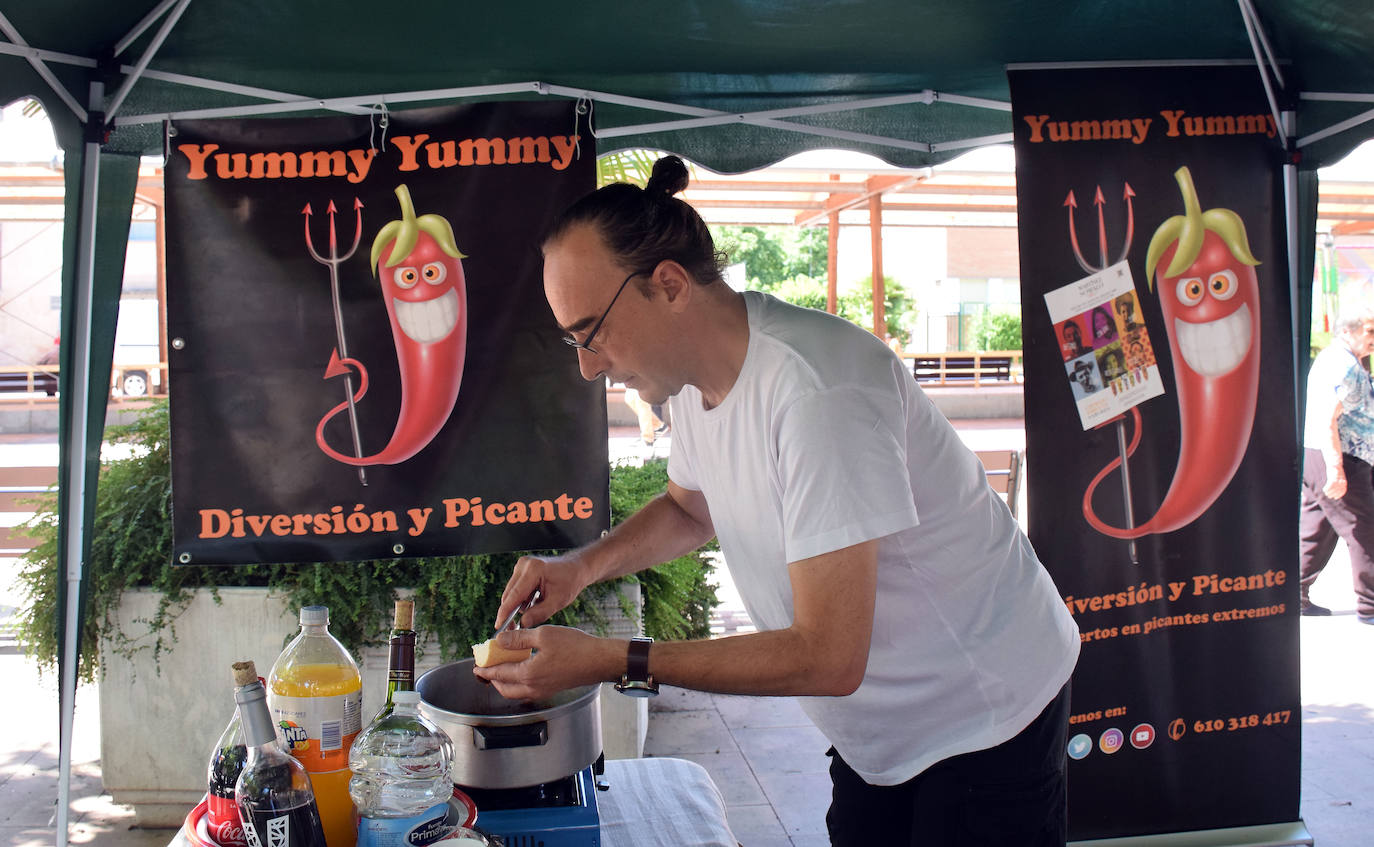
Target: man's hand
1335, 482
563, 658
558, 578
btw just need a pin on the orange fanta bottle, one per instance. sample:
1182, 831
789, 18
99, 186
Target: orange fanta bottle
315, 693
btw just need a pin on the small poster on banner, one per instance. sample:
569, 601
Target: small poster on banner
1108, 358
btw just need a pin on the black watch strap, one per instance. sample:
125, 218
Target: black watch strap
637, 661
637, 681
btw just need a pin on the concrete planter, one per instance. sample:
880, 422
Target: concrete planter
159, 721
624, 720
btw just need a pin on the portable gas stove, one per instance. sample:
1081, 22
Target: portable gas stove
561, 813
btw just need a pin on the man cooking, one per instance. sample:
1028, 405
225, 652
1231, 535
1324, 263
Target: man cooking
893, 591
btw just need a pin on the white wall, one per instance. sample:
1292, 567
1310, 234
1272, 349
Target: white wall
30, 287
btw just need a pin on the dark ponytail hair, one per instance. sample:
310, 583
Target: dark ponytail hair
645, 226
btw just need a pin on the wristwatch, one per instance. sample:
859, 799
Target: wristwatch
637, 681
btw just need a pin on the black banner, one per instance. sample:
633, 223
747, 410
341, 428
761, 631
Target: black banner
363, 364
1157, 327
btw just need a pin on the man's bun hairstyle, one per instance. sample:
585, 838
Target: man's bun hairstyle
645, 226
668, 178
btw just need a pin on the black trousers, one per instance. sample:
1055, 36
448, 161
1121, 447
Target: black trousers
1011, 794
1323, 520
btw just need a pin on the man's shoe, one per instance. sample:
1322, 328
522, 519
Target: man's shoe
1312, 610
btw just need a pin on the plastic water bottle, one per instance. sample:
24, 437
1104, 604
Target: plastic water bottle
401, 784
316, 695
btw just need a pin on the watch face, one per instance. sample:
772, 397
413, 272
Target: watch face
637, 688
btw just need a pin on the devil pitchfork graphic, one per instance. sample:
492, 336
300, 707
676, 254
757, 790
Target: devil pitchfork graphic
333, 262
1102, 250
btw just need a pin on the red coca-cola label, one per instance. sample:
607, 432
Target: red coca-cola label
223, 821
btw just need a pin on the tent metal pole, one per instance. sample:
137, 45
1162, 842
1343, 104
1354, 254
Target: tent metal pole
32, 53
1251, 25
1290, 209
73, 487
918, 146
927, 97
332, 103
1363, 117
976, 102
1336, 96
233, 88
161, 36
623, 100
964, 143
35, 53
1264, 41
41, 69
142, 26
824, 132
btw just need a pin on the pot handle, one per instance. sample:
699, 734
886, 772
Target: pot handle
508, 737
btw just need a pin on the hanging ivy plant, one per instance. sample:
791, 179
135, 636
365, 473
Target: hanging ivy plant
456, 596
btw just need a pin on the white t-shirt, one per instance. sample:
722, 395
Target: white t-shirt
825, 441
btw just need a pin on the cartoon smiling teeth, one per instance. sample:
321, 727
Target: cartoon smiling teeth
1209, 296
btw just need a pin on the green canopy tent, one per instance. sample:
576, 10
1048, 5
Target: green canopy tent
731, 84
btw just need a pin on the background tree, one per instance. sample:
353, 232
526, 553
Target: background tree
998, 331
776, 255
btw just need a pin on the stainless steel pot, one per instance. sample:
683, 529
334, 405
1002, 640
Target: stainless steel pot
500, 743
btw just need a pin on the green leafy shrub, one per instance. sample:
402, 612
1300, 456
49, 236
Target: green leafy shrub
456, 597
998, 331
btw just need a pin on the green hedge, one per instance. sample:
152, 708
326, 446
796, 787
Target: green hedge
456, 598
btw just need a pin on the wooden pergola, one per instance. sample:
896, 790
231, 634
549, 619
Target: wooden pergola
870, 195
948, 196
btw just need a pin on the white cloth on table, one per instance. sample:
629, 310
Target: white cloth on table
662, 803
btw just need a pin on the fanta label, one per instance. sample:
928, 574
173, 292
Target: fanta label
318, 730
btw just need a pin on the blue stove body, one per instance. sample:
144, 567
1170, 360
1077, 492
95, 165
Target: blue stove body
565, 816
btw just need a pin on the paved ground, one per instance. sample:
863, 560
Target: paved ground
766, 757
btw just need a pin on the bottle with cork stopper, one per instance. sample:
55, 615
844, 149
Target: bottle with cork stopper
273, 790
400, 666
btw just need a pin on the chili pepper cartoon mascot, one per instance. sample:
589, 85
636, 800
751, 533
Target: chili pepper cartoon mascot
421, 273
1209, 296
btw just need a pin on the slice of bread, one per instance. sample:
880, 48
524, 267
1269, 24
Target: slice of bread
489, 653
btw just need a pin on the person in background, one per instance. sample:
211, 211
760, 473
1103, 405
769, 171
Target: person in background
894, 593
1338, 452
650, 424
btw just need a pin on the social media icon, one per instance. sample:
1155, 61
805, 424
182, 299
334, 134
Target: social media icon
1111, 741
1142, 736
1080, 746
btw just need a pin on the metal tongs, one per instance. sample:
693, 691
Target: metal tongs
509, 622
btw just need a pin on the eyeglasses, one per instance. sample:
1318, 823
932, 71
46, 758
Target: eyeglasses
587, 345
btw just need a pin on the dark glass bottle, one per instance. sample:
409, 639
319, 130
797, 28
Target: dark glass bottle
400, 666
226, 760
273, 790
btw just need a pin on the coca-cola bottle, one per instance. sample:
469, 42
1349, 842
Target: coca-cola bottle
273, 790
222, 813
400, 666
